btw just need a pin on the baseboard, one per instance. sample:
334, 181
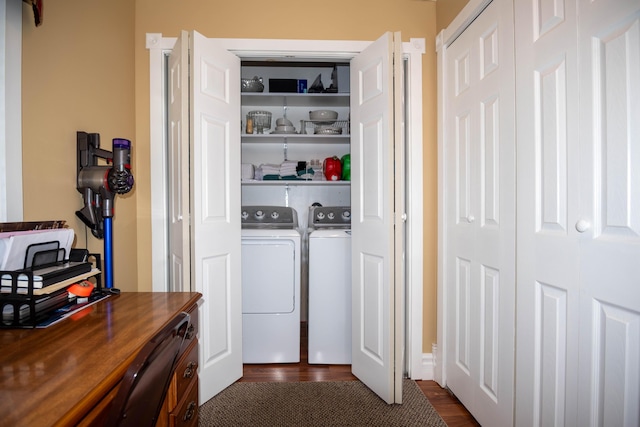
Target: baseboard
427, 366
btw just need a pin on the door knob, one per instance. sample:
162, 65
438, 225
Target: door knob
582, 226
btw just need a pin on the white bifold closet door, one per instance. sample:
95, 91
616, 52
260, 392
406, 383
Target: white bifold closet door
205, 220
578, 252
205, 229
479, 216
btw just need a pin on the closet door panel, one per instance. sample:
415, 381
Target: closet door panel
489, 163
463, 168
480, 216
578, 351
551, 148
547, 244
609, 220
550, 353
615, 87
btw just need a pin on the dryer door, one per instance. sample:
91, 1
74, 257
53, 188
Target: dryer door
268, 276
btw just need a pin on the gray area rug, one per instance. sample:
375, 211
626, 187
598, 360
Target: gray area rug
302, 404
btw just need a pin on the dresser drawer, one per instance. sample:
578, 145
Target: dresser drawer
186, 413
186, 371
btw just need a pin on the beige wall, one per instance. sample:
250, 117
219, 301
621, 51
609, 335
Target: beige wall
78, 74
446, 11
87, 68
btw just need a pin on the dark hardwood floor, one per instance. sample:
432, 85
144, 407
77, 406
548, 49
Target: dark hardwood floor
447, 405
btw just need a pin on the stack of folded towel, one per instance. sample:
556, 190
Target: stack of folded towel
269, 171
287, 170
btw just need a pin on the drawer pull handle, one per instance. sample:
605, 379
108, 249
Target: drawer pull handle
191, 368
191, 410
190, 332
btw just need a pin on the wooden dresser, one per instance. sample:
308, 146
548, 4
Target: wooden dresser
69, 373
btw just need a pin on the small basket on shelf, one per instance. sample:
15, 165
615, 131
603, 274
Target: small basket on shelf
323, 127
252, 85
261, 120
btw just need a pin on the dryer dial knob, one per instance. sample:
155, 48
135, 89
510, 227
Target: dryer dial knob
320, 215
346, 215
245, 214
331, 215
275, 215
259, 214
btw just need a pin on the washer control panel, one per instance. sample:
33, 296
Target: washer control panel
330, 217
269, 217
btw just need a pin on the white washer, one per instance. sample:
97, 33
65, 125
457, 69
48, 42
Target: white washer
329, 285
270, 285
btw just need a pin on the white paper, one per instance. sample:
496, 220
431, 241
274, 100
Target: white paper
13, 245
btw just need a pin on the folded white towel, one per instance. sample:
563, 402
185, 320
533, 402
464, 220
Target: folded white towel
270, 169
289, 168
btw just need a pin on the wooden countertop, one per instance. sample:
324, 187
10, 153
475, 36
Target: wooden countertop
53, 376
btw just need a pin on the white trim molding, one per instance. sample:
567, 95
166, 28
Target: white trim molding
428, 366
11, 198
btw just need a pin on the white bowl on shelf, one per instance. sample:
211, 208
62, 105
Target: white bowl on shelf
325, 116
286, 128
283, 122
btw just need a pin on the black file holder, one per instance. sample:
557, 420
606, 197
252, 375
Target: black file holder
20, 297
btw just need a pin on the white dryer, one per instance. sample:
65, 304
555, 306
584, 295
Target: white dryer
329, 322
270, 285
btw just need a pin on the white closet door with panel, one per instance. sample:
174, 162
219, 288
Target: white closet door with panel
215, 222
578, 85
608, 219
547, 261
377, 311
178, 166
213, 195
479, 215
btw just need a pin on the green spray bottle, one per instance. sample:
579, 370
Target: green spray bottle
346, 167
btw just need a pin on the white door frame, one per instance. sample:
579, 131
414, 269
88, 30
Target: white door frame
11, 197
158, 46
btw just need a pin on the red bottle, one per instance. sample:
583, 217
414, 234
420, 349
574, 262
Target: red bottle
332, 168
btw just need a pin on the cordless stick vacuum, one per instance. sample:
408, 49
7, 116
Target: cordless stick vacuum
98, 185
